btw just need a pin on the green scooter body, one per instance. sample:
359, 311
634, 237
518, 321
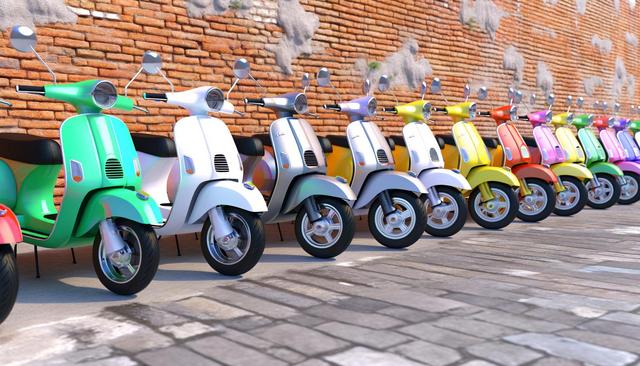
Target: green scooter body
596, 154
102, 177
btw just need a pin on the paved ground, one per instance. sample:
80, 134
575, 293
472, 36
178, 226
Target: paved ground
562, 292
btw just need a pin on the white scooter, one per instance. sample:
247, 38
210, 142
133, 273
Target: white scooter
288, 166
418, 151
392, 199
198, 179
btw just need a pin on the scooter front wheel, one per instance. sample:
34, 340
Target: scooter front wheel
136, 266
243, 252
539, 204
604, 196
8, 281
573, 199
404, 226
497, 213
330, 235
630, 192
449, 217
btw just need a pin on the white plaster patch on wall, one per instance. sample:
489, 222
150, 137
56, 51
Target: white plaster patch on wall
603, 45
299, 27
405, 67
581, 6
264, 11
544, 31
94, 13
590, 84
620, 78
544, 78
631, 86
199, 8
484, 14
632, 4
33, 12
551, 2
514, 61
631, 39
616, 5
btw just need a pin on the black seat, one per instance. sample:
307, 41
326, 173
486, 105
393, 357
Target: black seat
265, 138
249, 146
339, 140
448, 139
398, 140
491, 142
160, 146
30, 149
327, 148
441, 142
392, 144
530, 141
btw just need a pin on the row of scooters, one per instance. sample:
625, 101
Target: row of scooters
124, 191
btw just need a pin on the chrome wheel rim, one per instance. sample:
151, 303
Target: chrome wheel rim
325, 232
569, 198
602, 194
239, 251
406, 219
534, 203
126, 273
443, 215
494, 210
630, 189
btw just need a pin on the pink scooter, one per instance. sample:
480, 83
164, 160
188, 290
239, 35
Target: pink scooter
9, 234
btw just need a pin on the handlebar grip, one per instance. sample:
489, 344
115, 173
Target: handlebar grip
440, 109
161, 97
254, 101
332, 107
523, 118
29, 89
485, 114
389, 110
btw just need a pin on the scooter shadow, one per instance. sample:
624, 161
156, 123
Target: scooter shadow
176, 275
58, 292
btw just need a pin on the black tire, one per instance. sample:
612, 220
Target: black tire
251, 231
548, 194
455, 197
509, 196
344, 237
143, 243
571, 183
402, 240
607, 180
8, 281
626, 197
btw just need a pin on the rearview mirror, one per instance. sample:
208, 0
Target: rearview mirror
467, 91
580, 102
483, 93
436, 86
23, 38
384, 84
518, 97
305, 81
511, 93
366, 87
616, 108
323, 77
151, 62
569, 101
423, 89
242, 69
604, 106
532, 99
551, 99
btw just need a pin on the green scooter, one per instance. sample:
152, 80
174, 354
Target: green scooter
102, 200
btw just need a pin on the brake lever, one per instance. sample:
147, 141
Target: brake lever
6, 103
313, 115
144, 110
241, 114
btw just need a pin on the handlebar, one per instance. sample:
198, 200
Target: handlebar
29, 89
332, 107
523, 118
254, 101
161, 97
390, 110
440, 109
484, 114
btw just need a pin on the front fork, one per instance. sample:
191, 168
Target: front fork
524, 188
434, 197
223, 232
485, 192
114, 246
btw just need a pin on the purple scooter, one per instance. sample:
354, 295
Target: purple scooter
631, 164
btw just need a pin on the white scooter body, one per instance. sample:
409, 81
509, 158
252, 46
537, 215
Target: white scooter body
206, 174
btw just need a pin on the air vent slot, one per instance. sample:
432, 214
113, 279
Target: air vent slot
220, 163
310, 158
113, 169
382, 157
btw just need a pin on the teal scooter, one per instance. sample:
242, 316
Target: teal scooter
102, 201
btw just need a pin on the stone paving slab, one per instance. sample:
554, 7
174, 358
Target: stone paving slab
561, 292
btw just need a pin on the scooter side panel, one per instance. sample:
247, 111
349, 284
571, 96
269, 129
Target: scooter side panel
155, 175
571, 145
637, 138
402, 159
443, 177
423, 149
9, 190
9, 227
611, 144
226, 193
316, 185
513, 145
363, 150
630, 147
451, 157
573, 170
629, 166
551, 151
483, 174
221, 148
524, 171
340, 163
592, 147
384, 180
473, 151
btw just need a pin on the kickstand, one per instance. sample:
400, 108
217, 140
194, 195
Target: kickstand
15, 251
35, 251
178, 246
280, 232
73, 256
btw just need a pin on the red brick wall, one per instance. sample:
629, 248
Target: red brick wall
201, 52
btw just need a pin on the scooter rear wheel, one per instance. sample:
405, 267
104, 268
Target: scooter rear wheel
330, 239
608, 195
452, 216
145, 256
575, 197
8, 281
407, 230
541, 201
497, 213
248, 251
630, 193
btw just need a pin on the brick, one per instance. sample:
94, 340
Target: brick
303, 340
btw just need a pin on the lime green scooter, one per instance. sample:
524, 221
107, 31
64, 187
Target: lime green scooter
102, 200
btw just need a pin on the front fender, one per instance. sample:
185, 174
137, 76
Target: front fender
443, 177
317, 185
385, 180
629, 166
9, 227
482, 174
524, 171
227, 193
606, 168
118, 203
573, 170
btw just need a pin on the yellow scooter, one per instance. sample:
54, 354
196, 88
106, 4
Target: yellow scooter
493, 203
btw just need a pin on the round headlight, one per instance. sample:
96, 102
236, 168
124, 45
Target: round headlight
104, 94
611, 121
548, 117
569, 118
473, 108
590, 119
300, 104
426, 111
215, 99
372, 106
513, 113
